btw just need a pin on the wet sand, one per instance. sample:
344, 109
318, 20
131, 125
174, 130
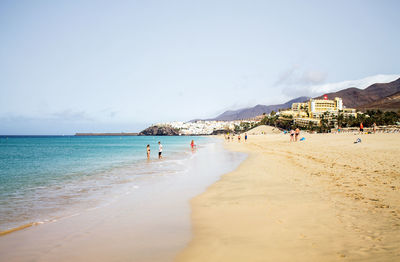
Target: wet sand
322, 199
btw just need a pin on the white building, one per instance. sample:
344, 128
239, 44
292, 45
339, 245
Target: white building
202, 127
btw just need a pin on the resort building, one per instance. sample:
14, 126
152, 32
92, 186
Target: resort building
349, 112
316, 107
298, 107
310, 112
305, 122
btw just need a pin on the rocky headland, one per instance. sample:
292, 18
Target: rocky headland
159, 131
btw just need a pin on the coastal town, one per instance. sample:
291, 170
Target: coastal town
315, 115
203, 127
302, 114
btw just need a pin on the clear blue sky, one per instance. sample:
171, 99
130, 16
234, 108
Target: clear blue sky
110, 66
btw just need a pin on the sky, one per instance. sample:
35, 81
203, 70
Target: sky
119, 66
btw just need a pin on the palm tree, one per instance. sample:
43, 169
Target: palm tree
340, 119
324, 123
310, 126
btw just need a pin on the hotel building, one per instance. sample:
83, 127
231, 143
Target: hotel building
312, 111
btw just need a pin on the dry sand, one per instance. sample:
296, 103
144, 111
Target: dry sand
322, 199
263, 129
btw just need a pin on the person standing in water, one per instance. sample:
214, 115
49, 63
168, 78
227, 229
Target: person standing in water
148, 151
192, 145
159, 150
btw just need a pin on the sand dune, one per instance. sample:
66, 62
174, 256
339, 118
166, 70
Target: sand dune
264, 130
322, 199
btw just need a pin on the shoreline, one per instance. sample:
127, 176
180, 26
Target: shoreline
149, 223
73, 187
322, 199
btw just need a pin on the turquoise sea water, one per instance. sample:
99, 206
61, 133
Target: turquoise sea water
43, 178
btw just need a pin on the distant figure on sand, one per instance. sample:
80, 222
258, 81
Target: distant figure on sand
291, 135
148, 151
239, 138
374, 127
361, 128
296, 134
245, 137
159, 150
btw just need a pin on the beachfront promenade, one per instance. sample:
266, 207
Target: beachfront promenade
322, 199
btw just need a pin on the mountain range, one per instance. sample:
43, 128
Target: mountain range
356, 98
250, 112
389, 103
384, 96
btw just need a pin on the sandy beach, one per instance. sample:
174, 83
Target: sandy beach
322, 199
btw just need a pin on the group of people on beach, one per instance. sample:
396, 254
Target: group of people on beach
362, 128
229, 138
294, 135
160, 149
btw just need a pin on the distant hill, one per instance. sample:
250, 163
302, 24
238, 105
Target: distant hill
159, 131
389, 103
355, 97
383, 96
250, 112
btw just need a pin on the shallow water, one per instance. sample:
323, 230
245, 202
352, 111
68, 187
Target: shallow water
45, 178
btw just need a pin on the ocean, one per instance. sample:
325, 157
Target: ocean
46, 178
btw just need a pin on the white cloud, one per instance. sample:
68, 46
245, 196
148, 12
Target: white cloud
295, 76
313, 77
317, 90
296, 82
